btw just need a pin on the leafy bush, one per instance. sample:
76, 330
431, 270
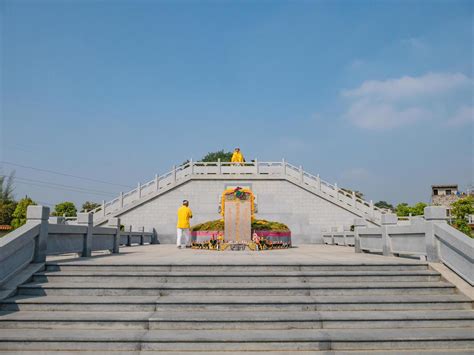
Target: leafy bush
214, 156
89, 206
67, 209
403, 209
257, 224
19, 216
460, 210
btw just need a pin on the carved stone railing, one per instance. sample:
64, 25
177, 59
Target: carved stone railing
219, 169
31, 243
428, 237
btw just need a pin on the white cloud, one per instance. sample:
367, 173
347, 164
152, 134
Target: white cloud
384, 104
463, 115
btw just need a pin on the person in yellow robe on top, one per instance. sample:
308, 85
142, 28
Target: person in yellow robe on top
183, 226
237, 156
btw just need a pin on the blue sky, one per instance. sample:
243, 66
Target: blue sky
374, 95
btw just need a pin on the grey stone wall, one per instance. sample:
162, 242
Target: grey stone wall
279, 200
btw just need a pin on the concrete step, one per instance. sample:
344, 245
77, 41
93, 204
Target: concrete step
236, 320
250, 289
244, 340
85, 265
241, 303
233, 277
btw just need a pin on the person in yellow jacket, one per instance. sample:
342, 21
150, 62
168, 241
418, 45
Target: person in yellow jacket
237, 156
182, 228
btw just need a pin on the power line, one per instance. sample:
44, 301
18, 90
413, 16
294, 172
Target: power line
61, 185
64, 174
40, 183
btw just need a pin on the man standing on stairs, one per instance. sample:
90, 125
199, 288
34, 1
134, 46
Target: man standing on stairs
184, 214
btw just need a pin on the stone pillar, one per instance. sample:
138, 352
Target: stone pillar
174, 173
219, 166
86, 219
256, 167
142, 236
318, 182
139, 190
283, 165
154, 238
336, 191
301, 174
433, 215
39, 214
354, 198
121, 199
157, 182
358, 223
115, 223
103, 208
191, 166
388, 219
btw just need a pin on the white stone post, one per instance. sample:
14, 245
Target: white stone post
358, 223
388, 219
139, 190
433, 215
354, 198
219, 166
191, 166
115, 223
103, 208
301, 174
39, 214
318, 182
142, 236
372, 209
283, 165
86, 219
174, 173
336, 190
121, 199
256, 166
157, 182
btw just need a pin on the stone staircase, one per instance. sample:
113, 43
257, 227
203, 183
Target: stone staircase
318, 308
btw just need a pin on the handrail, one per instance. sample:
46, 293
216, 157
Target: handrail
199, 168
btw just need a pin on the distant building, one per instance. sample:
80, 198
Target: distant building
444, 195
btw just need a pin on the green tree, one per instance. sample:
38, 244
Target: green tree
214, 156
357, 193
6, 187
89, 206
6, 211
418, 209
460, 210
19, 215
384, 204
403, 209
66, 209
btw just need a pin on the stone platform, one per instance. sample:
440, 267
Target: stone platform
311, 299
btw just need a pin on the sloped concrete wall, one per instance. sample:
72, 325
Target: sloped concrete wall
279, 200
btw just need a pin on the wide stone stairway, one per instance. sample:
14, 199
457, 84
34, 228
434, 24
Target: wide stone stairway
315, 299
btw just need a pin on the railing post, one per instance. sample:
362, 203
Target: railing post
154, 238
301, 174
256, 166
354, 198
139, 190
191, 165
157, 182
433, 215
358, 223
283, 165
388, 219
174, 173
86, 219
142, 236
372, 210
115, 223
219, 166
121, 199
336, 191
103, 208
39, 214
128, 229
318, 182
